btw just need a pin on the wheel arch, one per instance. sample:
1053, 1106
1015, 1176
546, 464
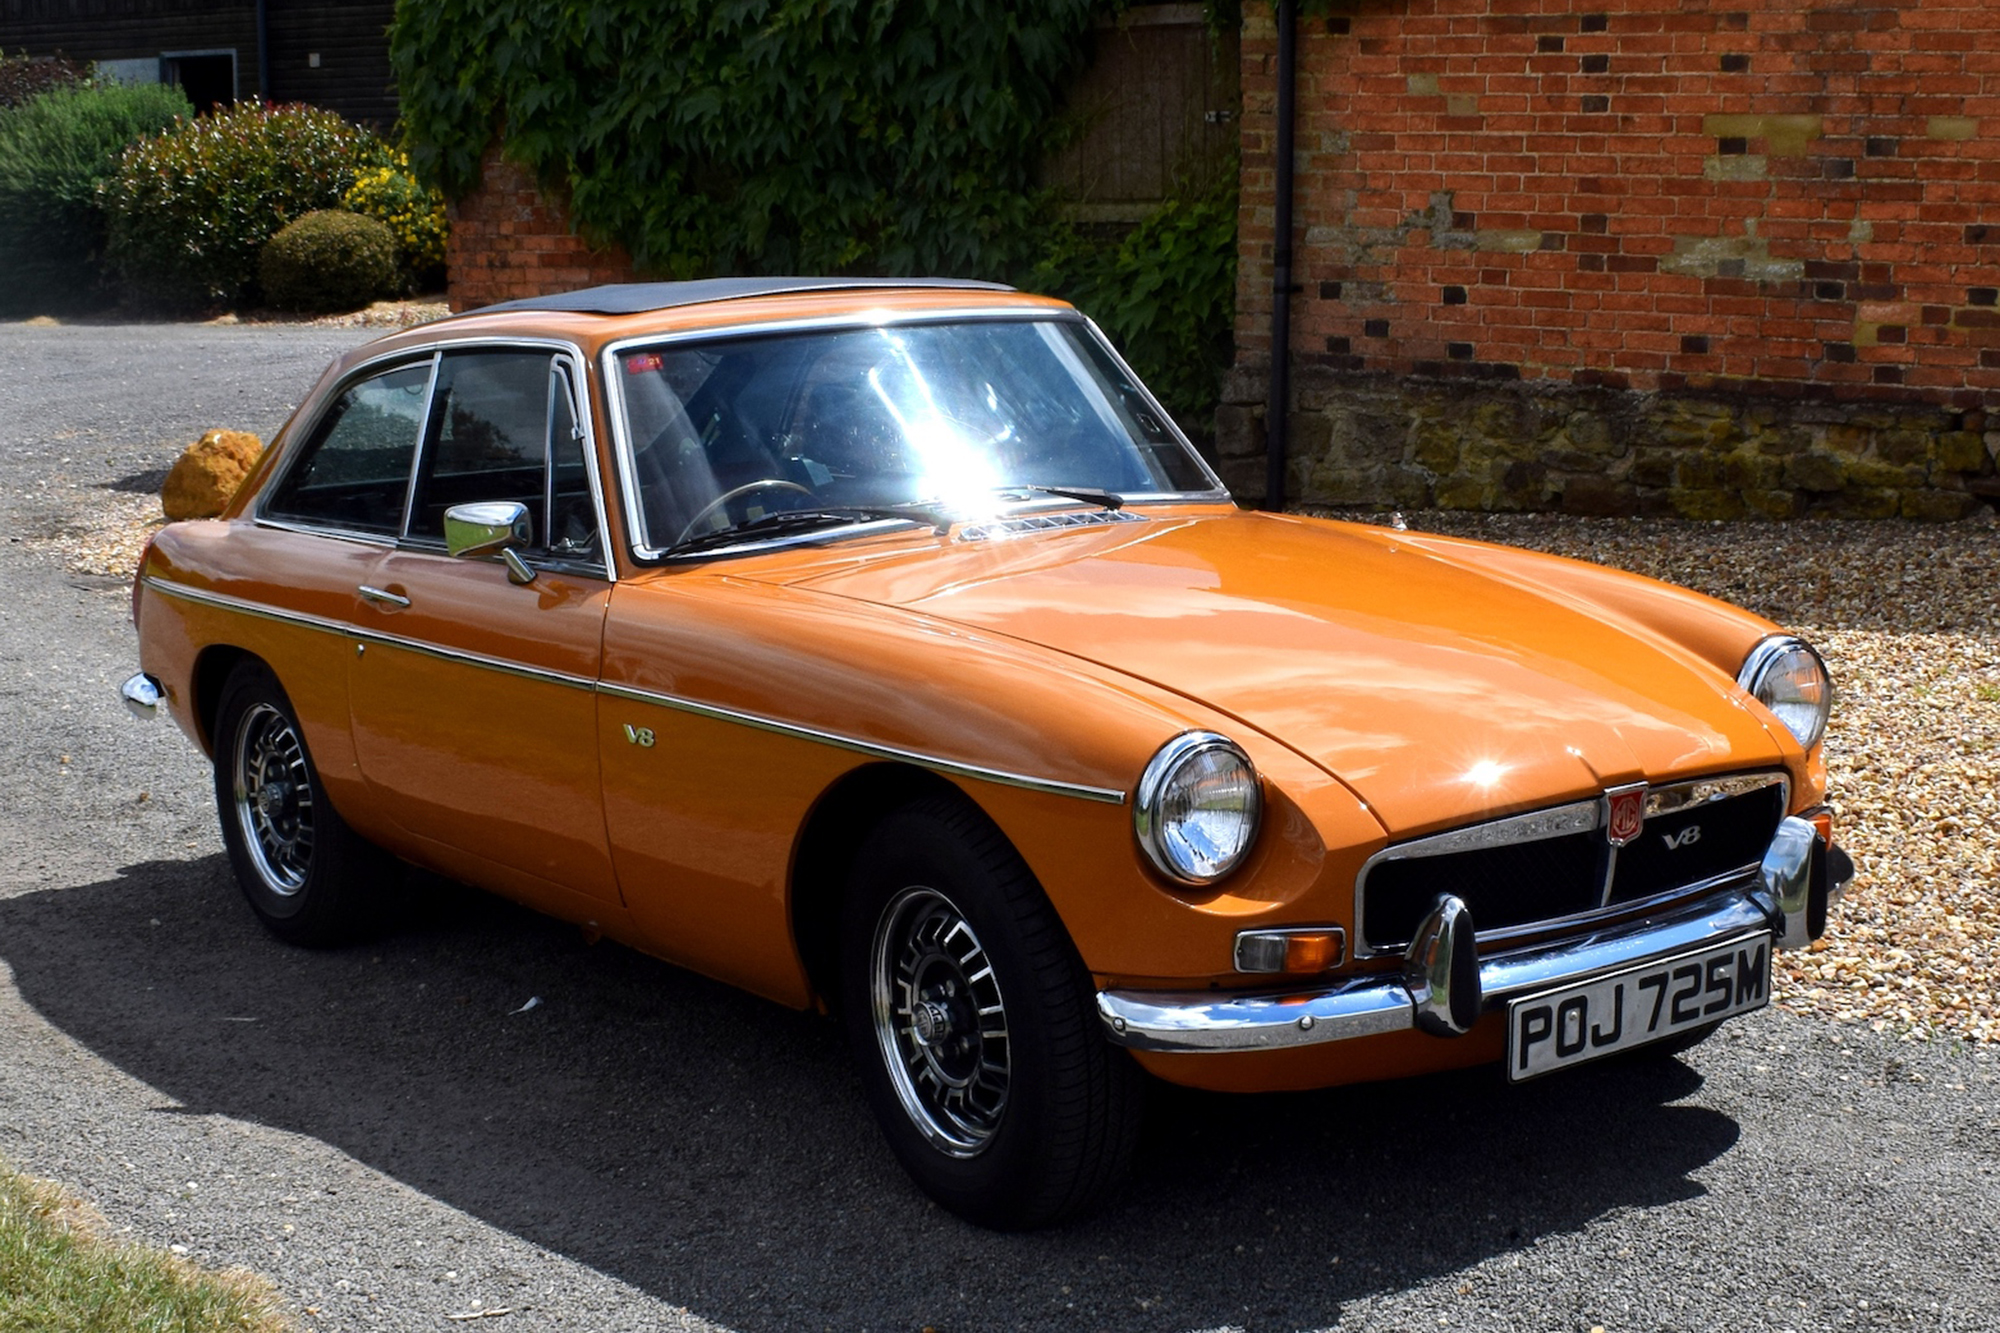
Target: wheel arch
213, 667
838, 823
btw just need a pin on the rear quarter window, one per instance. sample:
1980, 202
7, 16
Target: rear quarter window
354, 473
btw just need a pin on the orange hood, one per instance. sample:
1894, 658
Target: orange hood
1438, 690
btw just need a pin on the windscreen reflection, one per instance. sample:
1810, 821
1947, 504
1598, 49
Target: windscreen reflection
954, 417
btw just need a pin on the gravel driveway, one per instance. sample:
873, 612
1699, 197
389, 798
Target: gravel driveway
386, 1135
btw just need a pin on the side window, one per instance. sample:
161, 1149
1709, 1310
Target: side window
503, 427
488, 437
355, 471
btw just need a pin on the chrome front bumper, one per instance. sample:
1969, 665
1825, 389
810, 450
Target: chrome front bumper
1444, 985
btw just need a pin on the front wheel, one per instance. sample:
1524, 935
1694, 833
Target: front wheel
309, 877
975, 1025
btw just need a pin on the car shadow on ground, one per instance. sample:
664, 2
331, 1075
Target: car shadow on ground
713, 1150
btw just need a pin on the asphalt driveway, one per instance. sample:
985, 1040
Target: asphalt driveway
392, 1138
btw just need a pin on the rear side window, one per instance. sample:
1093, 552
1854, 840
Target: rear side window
355, 471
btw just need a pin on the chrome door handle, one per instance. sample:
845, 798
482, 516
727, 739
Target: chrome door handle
382, 597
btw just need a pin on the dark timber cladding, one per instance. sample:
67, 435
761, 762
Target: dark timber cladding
328, 54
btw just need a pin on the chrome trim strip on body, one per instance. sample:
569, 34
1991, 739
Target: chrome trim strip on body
1052, 786
226, 602
1208, 1021
1105, 795
1555, 822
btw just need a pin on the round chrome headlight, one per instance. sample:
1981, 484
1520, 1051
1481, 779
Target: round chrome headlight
1786, 676
1197, 808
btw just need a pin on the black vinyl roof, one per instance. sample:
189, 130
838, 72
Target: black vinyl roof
636, 298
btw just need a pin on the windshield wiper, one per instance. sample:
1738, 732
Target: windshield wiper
783, 522
1088, 494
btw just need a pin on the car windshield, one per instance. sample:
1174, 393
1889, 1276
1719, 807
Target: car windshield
854, 425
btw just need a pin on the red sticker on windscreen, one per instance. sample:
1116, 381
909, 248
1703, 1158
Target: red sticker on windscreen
639, 363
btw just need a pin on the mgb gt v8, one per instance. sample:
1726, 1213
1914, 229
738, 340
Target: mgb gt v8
883, 646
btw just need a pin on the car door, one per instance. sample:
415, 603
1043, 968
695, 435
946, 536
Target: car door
317, 535
471, 694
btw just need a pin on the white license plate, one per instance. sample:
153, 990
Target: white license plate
1645, 1003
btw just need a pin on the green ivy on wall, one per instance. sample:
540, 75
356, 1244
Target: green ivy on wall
740, 136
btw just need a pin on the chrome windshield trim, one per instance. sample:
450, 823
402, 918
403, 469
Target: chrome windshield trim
1209, 1022
751, 545
1555, 822
875, 750
1216, 484
621, 439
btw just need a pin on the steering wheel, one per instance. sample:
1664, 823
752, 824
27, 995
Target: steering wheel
722, 501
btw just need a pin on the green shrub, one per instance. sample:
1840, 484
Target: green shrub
329, 260
190, 210
763, 136
55, 150
1165, 293
413, 213
25, 77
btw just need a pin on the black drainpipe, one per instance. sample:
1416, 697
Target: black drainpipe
1277, 411
264, 50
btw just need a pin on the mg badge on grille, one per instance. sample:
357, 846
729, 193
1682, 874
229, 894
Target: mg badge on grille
1624, 813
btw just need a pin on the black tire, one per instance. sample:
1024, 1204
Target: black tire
984, 1062
310, 878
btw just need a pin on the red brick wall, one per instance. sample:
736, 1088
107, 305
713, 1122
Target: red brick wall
1801, 197
508, 241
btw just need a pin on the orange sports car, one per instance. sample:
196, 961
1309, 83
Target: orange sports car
884, 647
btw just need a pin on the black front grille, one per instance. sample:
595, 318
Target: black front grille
1517, 884
1697, 843
1504, 886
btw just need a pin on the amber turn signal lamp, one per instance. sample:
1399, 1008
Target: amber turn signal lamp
1304, 950
1822, 821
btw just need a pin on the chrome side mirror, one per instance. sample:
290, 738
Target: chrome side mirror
492, 527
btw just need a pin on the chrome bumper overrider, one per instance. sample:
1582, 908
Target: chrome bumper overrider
1442, 990
142, 695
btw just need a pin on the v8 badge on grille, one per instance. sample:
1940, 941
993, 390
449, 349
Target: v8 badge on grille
1624, 813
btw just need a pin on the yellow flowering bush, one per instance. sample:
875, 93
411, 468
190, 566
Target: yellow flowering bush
414, 215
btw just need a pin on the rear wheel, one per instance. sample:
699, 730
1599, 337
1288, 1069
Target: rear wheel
309, 877
975, 1025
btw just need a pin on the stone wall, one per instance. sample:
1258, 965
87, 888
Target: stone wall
1391, 441
1759, 238
509, 241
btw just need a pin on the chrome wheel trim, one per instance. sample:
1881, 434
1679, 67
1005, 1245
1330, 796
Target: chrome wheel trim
273, 792
940, 1021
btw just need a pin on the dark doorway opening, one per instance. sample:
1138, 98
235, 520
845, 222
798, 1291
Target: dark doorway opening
207, 77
